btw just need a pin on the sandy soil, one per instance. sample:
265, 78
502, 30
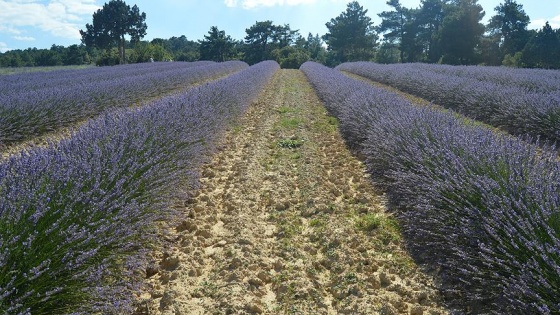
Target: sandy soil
286, 222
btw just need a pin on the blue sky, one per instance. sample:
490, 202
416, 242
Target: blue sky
42, 23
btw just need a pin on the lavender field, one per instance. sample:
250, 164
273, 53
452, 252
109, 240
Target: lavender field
519, 101
479, 210
32, 104
74, 215
482, 208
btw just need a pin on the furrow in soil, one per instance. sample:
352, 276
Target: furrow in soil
287, 222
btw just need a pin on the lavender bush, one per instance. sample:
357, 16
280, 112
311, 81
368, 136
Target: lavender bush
33, 104
23, 82
519, 101
75, 216
482, 210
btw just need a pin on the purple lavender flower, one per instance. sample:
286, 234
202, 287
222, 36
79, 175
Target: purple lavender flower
75, 216
481, 209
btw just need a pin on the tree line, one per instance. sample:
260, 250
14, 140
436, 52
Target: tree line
438, 31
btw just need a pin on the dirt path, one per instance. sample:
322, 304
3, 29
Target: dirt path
286, 222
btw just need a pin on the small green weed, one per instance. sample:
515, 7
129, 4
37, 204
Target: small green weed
318, 222
290, 123
283, 109
368, 222
290, 143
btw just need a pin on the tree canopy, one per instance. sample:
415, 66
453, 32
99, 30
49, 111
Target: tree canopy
543, 50
509, 26
110, 25
394, 25
437, 31
264, 37
351, 35
461, 31
216, 46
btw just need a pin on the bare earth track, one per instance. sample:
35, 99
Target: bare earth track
287, 222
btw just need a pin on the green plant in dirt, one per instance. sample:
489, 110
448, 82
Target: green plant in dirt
284, 109
317, 223
330, 124
290, 143
368, 222
290, 123
237, 128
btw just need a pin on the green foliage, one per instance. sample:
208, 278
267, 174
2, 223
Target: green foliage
180, 48
290, 57
55, 56
513, 61
290, 143
396, 28
368, 222
264, 37
217, 46
387, 53
543, 50
145, 52
314, 46
510, 27
110, 25
108, 58
461, 32
290, 123
351, 35
429, 19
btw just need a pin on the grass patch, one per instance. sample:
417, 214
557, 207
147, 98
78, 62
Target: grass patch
368, 222
290, 123
330, 124
284, 109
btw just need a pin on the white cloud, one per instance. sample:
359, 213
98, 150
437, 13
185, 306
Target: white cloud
539, 23
3, 47
9, 30
61, 18
24, 38
231, 3
252, 4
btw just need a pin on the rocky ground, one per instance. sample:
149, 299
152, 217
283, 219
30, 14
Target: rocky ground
286, 222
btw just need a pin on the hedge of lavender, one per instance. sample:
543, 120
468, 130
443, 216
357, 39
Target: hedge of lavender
22, 82
527, 102
481, 209
537, 80
75, 216
33, 104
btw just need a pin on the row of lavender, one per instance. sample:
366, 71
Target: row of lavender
511, 104
480, 208
535, 80
22, 82
30, 112
74, 215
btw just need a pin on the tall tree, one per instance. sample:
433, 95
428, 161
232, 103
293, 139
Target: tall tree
314, 46
351, 35
461, 31
509, 27
543, 50
183, 49
393, 25
429, 19
264, 37
110, 25
216, 46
